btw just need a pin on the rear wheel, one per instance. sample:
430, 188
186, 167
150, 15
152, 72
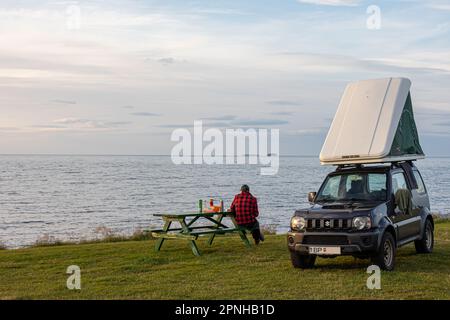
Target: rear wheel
302, 261
425, 245
385, 257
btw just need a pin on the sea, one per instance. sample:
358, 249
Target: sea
73, 198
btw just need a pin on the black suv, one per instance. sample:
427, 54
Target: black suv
364, 211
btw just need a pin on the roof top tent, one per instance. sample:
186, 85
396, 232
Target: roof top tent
374, 123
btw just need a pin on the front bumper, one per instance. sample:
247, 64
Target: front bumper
350, 243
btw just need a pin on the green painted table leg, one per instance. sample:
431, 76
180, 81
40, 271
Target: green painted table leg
194, 248
191, 242
211, 237
245, 239
160, 241
241, 233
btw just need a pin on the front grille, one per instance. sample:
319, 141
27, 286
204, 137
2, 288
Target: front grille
328, 224
325, 240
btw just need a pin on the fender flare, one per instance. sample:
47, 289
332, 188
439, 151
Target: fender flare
386, 225
425, 215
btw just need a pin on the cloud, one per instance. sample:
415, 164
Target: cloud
284, 103
439, 6
117, 123
175, 126
145, 114
431, 112
259, 122
229, 71
77, 124
48, 126
443, 124
282, 113
190, 125
166, 61
309, 131
217, 124
347, 3
64, 101
9, 129
71, 121
220, 118
232, 123
413, 63
218, 11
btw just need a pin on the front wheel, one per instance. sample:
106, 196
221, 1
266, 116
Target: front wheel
302, 261
425, 245
385, 256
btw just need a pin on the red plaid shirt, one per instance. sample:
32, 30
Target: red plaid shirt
245, 207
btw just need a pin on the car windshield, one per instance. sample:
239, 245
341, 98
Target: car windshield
353, 187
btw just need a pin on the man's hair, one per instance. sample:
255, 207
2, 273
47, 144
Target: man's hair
245, 188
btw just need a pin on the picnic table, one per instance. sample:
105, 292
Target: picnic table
190, 229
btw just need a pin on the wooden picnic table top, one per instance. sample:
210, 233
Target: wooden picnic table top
192, 214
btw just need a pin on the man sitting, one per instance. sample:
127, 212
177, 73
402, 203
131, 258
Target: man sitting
245, 208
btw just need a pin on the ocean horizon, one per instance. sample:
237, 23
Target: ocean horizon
75, 197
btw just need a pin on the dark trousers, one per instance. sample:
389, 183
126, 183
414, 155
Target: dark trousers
254, 229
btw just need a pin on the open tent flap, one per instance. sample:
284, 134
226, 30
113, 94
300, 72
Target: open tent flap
406, 140
373, 123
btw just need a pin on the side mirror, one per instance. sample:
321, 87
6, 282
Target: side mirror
311, 196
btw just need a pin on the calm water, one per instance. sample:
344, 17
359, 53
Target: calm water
69, 197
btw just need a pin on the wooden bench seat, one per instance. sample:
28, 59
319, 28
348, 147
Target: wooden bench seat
217, 231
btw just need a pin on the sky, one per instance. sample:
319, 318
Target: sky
117, 77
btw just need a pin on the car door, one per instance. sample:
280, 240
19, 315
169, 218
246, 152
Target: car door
420, 196
408, 225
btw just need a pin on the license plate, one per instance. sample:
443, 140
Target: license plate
325, 250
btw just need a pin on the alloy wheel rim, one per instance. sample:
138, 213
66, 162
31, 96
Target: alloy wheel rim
388, 253
429, 237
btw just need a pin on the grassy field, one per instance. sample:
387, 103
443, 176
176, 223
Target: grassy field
227, 270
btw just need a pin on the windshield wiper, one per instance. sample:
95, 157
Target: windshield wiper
326, 200
355, 199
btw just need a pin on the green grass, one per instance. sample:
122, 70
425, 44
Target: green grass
226, 270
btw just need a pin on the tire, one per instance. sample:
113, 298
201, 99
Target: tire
302, 261
385, 256
426, 244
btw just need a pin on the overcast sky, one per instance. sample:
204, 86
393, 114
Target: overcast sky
132, 71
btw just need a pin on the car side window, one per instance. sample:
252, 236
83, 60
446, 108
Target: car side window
398, 182
420, 184
401, 192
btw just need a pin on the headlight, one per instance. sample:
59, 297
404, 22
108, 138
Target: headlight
362, 223
298, 223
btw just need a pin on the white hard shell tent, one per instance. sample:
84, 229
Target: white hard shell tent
374, 123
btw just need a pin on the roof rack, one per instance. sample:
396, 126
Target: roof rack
346, 166
398, 164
